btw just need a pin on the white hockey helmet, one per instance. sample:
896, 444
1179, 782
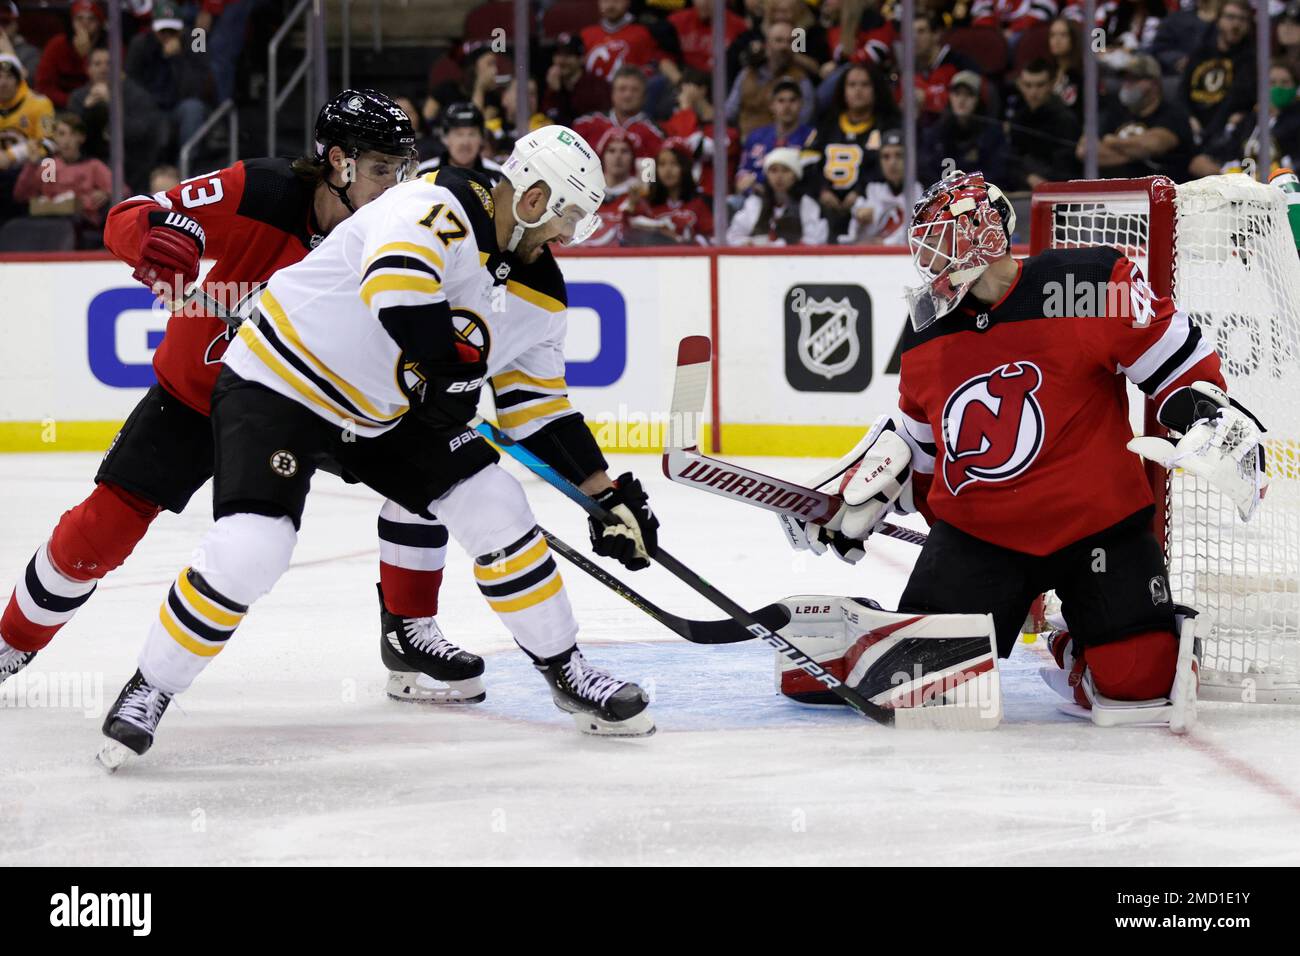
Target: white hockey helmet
562, 159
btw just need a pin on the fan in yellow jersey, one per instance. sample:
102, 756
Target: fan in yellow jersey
368, 357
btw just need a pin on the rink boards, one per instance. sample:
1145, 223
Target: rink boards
802, 338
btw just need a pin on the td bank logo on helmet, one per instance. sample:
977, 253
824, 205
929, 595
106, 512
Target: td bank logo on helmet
992, 426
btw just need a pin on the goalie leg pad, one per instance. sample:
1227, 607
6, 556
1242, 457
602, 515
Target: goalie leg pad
934, 670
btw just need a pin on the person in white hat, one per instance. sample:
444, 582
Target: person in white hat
779, 212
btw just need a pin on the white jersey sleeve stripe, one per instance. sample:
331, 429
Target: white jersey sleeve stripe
1159, 353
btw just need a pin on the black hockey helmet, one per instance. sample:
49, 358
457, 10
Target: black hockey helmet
361, 120
459, 115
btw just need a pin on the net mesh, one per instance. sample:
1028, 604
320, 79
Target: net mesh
1237, 274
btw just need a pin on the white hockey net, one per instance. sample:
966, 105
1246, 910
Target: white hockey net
1235, 270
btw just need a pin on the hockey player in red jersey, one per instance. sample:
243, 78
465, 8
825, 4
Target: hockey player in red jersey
1012, 438
253, 219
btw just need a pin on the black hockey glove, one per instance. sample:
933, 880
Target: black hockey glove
446, 394
635, 540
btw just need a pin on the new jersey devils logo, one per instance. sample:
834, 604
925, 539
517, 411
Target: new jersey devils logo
992, 426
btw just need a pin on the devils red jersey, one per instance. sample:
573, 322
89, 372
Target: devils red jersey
1017, 414
258, 219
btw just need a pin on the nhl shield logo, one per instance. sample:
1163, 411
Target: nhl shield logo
828, 336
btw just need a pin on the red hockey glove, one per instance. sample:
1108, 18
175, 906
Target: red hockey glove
170, 254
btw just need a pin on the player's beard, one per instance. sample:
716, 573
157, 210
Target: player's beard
530, 245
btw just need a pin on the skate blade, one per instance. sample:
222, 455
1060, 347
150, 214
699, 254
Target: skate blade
113, 755
407, 687
642, 725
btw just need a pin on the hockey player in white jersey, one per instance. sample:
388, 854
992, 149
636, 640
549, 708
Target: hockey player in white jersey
368, 357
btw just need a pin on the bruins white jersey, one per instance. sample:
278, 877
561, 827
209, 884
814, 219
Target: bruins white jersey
322, 341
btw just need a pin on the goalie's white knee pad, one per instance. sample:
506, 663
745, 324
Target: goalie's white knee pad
243, 555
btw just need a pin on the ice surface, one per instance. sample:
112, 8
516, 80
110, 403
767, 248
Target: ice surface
287, 751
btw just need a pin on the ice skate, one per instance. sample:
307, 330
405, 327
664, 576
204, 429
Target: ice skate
423, 666
12, 660
132, 722
601, 705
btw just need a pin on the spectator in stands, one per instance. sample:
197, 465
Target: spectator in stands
570, 90
178, 80
63, 61
623, 190
12, 42
26, 117
140, 117
1220, 76
426, 145
1129, 25
1288, 34
673, 211
503, 130
811, 50
618, 41
1012, 17
936, 65
478, 84
463, 139
1143, 134
964, 136
1239, 138
226, 23
1042, 131
693, 123
163, 178
87, 180
627, 97
843, 154
694, 29
784, 130
1180, 33
880, 216
1066, 58
751, 92
779, 212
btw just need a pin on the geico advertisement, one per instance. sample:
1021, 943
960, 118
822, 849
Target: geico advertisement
81, 336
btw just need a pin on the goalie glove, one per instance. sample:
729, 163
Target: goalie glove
873, 479
1217, 440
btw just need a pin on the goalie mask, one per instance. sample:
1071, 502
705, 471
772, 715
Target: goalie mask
959, 227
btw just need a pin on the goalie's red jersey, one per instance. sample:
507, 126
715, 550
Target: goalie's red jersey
258, 218
1017, 413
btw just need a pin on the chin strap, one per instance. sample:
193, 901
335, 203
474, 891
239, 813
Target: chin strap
520, 225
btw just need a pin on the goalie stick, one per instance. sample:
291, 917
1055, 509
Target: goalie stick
881, 715
684, 464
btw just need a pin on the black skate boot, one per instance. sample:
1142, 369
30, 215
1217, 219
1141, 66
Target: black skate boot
423, 666
12, 660
600, 704
132, 722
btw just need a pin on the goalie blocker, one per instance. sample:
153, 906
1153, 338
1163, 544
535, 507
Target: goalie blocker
944, 663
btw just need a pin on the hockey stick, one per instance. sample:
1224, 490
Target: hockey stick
725, 631
881, 715
684, 464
